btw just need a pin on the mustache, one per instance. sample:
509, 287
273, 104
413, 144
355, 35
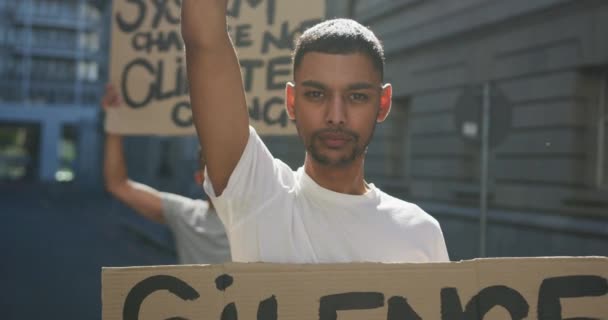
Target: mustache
335, 131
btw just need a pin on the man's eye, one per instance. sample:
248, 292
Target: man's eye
359, 97
313, 94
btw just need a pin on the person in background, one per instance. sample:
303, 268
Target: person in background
325, 212
198, 232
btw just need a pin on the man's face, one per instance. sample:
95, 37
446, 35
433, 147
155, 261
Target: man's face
336, 101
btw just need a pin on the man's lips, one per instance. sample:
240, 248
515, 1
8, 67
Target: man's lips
335, 140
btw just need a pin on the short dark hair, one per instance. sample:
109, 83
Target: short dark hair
339, 36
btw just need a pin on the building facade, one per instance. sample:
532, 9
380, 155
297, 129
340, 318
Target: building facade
499, 112
51, 76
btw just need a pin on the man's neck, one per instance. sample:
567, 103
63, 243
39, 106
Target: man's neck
342, 179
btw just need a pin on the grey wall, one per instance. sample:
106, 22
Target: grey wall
544, 62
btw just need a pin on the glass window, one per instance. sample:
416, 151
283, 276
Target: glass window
93, 72
82, 70
67, 155
19, 153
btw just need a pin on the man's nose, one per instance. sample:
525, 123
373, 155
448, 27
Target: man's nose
336, 110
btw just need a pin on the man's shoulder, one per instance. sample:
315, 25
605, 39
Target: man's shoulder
403, 210
286, 175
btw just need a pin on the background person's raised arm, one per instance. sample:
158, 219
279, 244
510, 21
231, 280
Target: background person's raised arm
145, 200
216, 90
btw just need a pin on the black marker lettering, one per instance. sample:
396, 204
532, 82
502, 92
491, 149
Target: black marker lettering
157, 89
249, 67
242, 38
161, 41
552, 289
223, 282
280, 66
284, 41
129, 100
177, 115
399, 309
146, 287
162, 10
331, 304
482, 303
286, 38
255, 111
230, 313
267, 310
234, 9
125, 26
282, 113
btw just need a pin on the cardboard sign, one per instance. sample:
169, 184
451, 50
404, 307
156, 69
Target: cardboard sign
529, 288
148, 62
148, 67
263, 32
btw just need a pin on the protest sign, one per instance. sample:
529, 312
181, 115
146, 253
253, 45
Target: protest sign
527, 288
263, 33
148, 67
148, 62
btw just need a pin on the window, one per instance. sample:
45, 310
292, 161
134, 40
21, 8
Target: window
19, 152
67, 155
88, 42
88, 71
91, 13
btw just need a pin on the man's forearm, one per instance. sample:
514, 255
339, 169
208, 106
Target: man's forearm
114, 167
143, 199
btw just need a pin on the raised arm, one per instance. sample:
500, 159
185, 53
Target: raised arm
216, 89
145, 200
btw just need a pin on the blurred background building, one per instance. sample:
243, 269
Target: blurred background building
58, 229
50, 67
498, 129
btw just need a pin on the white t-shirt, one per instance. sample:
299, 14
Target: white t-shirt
198, 232
273, 214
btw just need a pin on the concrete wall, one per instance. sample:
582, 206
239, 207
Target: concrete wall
545, 66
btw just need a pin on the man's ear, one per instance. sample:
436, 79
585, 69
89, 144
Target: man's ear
290, 100
386, 98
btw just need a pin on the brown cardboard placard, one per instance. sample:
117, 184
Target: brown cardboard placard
263, 33
525, 288
147, 62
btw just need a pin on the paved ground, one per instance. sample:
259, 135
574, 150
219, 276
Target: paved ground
55, 239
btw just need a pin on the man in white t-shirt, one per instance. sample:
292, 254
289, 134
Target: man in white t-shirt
198, 232
325, 211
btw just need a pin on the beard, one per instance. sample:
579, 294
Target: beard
357, 146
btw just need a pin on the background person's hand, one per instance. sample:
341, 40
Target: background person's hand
111, 97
